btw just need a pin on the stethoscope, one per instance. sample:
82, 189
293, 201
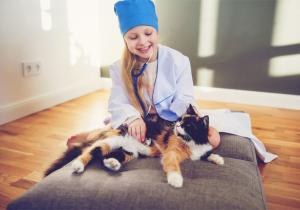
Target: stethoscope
135, 84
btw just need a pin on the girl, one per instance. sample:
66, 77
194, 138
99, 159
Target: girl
150, 78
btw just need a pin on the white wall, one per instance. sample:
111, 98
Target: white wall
72, 39
67, 37
111, 39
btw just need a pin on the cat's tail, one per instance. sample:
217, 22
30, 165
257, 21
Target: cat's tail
67, 157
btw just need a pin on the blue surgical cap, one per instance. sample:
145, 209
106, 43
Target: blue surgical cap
132, 13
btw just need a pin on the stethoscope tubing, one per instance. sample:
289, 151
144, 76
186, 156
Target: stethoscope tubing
135, 85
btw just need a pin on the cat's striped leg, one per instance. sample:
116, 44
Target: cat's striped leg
175, 153
131, 149
115, 159
171, 164
96, 150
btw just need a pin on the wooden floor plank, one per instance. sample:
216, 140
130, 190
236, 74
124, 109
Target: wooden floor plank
30, 144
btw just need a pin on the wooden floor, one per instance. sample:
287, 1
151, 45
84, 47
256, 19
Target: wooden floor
28, 145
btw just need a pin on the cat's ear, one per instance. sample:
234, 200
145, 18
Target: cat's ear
191, 110
206, 121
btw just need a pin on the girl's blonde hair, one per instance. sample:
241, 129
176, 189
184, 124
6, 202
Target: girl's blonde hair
129, 63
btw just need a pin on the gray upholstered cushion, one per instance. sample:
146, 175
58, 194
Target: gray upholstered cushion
141, 184
237, 147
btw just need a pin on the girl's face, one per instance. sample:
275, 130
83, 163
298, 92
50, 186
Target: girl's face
142, 41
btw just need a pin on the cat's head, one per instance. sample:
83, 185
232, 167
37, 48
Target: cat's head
192, 127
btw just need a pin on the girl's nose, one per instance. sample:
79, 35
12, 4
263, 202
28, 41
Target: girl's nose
142, 40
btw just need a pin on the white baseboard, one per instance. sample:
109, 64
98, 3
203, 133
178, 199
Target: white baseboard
277, 100
28, 106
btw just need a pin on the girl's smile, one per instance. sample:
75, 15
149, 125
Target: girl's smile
144, 49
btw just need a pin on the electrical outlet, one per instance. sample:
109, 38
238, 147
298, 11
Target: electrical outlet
104, 71
31, 68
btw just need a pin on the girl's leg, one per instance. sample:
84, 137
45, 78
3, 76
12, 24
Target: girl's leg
214, 137
78, 138
86, 136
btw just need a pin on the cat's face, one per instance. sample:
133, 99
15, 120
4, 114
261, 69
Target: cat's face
192, 127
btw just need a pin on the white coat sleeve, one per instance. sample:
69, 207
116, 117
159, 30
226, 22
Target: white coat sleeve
119, 105
184, 95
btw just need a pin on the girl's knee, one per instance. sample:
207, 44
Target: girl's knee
214, 137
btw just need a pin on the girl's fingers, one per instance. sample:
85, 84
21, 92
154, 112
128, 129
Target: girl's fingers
131, 131
139, 133
138, 130
134, 132
143, 132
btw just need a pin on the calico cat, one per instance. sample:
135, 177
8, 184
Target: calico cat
173, 142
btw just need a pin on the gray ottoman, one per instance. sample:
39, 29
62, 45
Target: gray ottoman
141, 184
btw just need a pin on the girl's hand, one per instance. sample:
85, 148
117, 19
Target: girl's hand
213, 137
137, 129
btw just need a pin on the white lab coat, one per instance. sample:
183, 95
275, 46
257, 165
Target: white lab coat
173, 90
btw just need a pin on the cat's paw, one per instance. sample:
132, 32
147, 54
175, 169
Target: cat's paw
77, 166
217, 159
112, 164
175, 179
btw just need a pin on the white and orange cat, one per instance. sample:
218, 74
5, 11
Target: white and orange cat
173, 142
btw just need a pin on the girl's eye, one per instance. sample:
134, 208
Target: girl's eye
133, 38
148, 34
